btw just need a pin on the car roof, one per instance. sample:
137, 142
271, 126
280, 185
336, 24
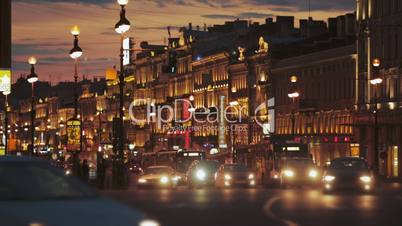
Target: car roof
157, 167
233, 164
20, 159
349, 158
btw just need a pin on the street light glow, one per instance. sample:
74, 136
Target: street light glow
76, 54
234, 103
294, 95
376, 62
122, 28
75, 30
376, 81
32, 60
122, 2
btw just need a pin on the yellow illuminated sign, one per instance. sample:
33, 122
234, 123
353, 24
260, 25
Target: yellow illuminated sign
111, 74
73, 135
5, 81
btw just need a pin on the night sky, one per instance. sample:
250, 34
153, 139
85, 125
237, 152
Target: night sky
42, 27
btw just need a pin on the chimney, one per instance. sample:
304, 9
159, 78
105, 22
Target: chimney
198, 27
190, 26
205, 27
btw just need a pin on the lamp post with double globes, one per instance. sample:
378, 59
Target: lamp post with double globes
75, 53
32, 78
121, 27
376, 81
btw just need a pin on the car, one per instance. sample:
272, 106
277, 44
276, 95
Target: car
350, 173
230, 175
33, 192
300, 172
201, 173
135, 168
158, 177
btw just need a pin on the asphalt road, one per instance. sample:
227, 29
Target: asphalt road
259, 206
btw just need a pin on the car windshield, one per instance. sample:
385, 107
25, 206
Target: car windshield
212, 165
348, 164
236, 168
300, 163
39, 181
159, 170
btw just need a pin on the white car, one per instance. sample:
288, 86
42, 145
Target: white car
34, 193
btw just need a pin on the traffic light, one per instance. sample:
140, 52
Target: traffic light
172, 61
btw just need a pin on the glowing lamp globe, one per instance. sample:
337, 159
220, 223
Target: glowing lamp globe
32, 60
75, 54
376, 81
32, 78
122, 2
121, 28
376, 62
75, 30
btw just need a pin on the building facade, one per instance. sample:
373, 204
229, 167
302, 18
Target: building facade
379, 36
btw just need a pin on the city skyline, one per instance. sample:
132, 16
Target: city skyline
50, 40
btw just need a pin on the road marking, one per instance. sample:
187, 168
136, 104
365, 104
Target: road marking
268, 208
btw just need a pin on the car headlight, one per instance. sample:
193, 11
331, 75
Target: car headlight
164, 180
176, 178
251, 176
200, 174
313, 174
228, 177
365, 179
142, 181
288, 173
68, 172
329, 178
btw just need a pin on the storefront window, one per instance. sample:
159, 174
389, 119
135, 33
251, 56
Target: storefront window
395, 162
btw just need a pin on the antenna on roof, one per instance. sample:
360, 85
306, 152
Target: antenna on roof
309, 8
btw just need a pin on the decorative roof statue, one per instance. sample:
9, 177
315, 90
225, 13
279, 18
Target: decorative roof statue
263, 46
241, 53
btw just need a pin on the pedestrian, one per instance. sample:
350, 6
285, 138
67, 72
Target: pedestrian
101, 174
85, 170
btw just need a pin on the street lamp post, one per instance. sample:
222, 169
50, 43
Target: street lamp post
75, 53
293, 94
376, 81
192, 111
32, 78
6, 122
121, 27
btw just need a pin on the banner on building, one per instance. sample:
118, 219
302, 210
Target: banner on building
5, 81
73, 134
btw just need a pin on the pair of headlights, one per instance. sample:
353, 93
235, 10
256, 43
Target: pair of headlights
291, 173
229, 177
162, 180
364, 179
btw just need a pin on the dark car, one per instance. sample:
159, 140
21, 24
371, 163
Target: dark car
32, 190
202, 173
348, 173
230, 175
299, 171
134, 168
